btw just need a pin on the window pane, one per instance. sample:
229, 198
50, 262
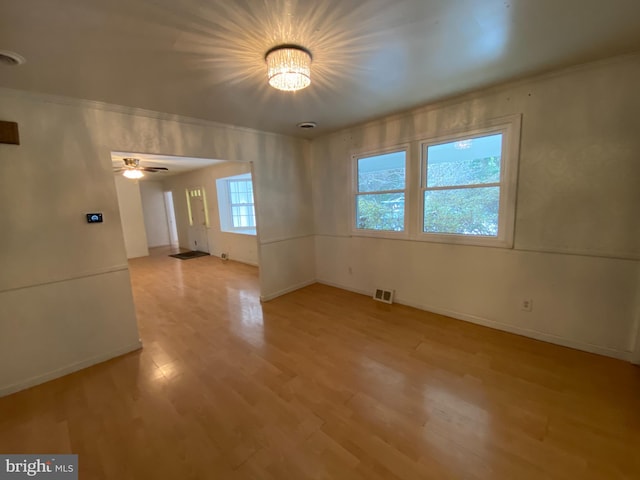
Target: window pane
243, 216
238, 211
463, 211
241, 191
383, 211
242, 197
240, 222
465, 162
382, 172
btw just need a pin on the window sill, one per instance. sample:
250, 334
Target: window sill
476, 241
437, 238
380, 234
241, 232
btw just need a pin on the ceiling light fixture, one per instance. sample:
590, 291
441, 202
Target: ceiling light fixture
133, 174
11, 59
288, 67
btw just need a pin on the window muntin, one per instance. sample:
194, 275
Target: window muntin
380, 191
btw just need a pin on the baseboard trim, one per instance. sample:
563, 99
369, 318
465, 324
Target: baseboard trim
271, 296
61, 372
244, 262
534, 334
239, 260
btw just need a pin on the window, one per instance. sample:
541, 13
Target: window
241, 202
380, 184
235, 204
468, 187
456, 188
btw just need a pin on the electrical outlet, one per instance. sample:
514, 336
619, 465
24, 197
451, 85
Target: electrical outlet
527, 305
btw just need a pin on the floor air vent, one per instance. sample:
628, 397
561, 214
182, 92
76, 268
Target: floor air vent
385, 296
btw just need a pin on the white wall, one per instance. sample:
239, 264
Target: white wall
242, 248
577, 235
69, 279
154, 213
300, 251
65, 295
131, 217
287, 247
635, 356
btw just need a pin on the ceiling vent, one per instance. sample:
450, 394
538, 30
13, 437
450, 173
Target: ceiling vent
11, 58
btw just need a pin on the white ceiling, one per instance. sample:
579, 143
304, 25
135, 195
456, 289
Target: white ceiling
175, 165
204, 59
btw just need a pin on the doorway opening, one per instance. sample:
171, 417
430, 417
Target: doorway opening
171, 218
178, 207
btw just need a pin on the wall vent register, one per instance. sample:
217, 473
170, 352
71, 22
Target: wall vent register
385, 296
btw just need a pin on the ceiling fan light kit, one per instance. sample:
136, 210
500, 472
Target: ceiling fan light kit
288, 67
133, 174
132, 168
11, 59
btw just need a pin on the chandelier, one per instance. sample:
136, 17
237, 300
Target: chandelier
288, 67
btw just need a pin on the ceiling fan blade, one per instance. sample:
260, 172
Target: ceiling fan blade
118, 170
152, 169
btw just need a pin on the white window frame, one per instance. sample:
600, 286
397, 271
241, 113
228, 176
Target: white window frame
510, 128
355, 193
231, 204
225, 205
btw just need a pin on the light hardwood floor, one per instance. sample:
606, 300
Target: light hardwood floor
325, 384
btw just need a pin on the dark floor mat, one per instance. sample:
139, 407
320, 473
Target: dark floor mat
188, 255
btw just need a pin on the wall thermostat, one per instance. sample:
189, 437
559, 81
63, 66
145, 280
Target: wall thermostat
94, 218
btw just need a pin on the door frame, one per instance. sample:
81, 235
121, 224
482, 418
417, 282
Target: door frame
200, 231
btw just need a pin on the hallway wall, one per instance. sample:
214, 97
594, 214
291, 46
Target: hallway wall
65, 294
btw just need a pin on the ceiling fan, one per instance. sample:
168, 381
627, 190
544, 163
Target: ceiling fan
133, 169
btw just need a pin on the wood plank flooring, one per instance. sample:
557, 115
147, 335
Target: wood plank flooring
325, 384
